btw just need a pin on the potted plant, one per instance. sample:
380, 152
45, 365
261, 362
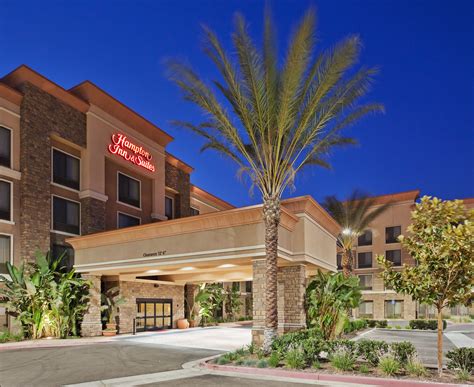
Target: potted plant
111, 300
183, 323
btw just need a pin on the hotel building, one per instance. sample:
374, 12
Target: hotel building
82, 173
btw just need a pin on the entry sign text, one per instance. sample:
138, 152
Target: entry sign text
135, 154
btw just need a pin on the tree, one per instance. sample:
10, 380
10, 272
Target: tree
209, 298
441, 240
233, 301
273, 119
354, 215
328, 298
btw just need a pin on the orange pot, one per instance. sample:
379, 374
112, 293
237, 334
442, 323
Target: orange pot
183, 323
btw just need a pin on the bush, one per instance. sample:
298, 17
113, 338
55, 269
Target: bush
415, 367
274, 360
381, 324
239, 361
346, 345
7, 336
389, 365
426, 324
403, 351
364, 369
461, 359
371, 350
463, 375
295, 359
343, 358
262, 363
223, 360
249, 363
316, 365
293, 339
251, 348
354, 325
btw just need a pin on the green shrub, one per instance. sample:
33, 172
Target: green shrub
381, 324
262, 363
415, 367
354, 325
284, 342
274, 360
364, 369
239, 361
426, 324
260, 353
7, 336
343, 358
295, 359
251, 348
461, 359
403, 351
398, 327
371, 350
316, 365
462, 375
241, 351
389, 365
249, 363
223, 360
346, 345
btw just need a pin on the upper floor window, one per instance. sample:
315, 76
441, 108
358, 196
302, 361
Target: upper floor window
5, 147
5, 200
394, 256
365, 281
169, 207
66, 169
339, 261
128, 190
392, 234
194, 211
365, 239
124, 220
364, 260
5, 252
66, 216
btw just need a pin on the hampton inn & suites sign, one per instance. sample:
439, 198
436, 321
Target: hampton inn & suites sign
131, 152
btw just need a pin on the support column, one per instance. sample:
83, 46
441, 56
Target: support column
291, 298
258, 295
191, 290
91, 324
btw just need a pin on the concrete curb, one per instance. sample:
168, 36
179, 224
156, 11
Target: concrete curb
325, 377
54, 343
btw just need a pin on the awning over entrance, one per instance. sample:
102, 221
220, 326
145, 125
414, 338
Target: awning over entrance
218, 246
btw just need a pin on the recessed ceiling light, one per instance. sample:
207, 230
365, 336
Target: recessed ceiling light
187, 268
226, 265
153, 271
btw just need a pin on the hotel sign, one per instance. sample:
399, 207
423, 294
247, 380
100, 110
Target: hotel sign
135, 154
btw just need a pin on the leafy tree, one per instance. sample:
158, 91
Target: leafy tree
110, 301
209, 298
328, 298
47, 300
233, 301
441, 240
274, 118
354, 215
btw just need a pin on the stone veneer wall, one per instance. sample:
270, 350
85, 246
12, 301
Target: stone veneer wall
92, 215
258, 293
179, 180
133, 290
41, 115
91, 324
291, 297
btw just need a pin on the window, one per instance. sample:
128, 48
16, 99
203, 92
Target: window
128, 190
365, 281
66, 169
366, 309
365, 239
194, 211
66, 216
394, 256
392, 234
339, 261
66, 253
5, 147
169, 207
5, 200
124, 220
5, 252
364, 260
393, 309
248, 286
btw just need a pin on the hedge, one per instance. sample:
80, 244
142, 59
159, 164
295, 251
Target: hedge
426, 324
377, 323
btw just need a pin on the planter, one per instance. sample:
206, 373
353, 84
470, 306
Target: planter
110, 332
193, 323
183, 323
111, 326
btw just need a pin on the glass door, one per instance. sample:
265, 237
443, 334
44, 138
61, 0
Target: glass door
153, 314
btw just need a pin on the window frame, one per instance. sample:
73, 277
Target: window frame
396, 240
385, 309
11, 147
364, 315
12, 246
139, 188
52, 216
394, 265
371, 260
131, 216
371, 238
172, 206
9, 221
371, 280
53, 148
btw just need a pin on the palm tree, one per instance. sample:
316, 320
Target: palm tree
274, 119
354, 215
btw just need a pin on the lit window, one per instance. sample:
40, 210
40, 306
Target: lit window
128, 190
366, 309
5, 200
194, 211
365, 239
364, 260
392, 234
393, 309
66, 169
5, 252
365, 281
394, 256
5, 147
169, 207
125, 220
66, 216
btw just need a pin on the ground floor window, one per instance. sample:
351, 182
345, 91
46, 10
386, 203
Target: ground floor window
394, 309
5, 252
366, 309
426, 311
154, 314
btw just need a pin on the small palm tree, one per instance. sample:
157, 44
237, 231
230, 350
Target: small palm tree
354, 215
274, 120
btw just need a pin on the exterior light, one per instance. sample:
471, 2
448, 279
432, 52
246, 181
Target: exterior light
186, 268
226, 265
153, 271
347, 231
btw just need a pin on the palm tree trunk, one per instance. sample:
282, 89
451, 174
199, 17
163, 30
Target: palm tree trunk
346, 263
271, 216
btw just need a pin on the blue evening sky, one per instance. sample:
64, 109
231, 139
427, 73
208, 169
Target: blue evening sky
424, 49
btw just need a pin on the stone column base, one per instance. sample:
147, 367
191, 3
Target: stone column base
257, 336
90, 329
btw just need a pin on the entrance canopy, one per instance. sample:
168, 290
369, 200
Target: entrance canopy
213, 247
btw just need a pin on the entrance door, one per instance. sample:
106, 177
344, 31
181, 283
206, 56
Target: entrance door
154, 314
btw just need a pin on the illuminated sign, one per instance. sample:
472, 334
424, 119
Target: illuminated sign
129, 151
